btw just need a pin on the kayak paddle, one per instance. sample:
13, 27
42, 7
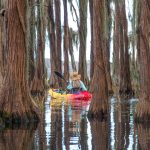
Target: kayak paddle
60, 75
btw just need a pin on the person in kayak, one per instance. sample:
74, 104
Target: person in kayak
76, 85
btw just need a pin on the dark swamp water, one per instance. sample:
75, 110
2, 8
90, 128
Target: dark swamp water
66, 127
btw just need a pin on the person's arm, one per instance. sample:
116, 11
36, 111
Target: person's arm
83, 86
69, 87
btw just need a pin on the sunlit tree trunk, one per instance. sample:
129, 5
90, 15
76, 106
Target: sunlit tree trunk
98, 87
52, 39
143, 109
66, 41
15, 101
82, 37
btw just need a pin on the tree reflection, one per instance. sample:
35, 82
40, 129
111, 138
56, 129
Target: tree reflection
42, 132
121, 124
56, 127
66, 127
99, 130
122, 120
83, 133
143, 136
17, 138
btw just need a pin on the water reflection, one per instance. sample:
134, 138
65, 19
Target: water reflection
64, 126
121, 124
99, 131
18, 138
143, 136
73, 131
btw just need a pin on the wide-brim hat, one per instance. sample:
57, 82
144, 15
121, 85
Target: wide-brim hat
75, 76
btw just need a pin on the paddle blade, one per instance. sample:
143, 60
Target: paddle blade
60, 75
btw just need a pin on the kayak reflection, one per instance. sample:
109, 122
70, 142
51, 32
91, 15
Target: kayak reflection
74, 122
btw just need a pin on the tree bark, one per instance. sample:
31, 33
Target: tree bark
106, 52
66, 41
116, 45
58, 34
71, 51
31, 39
142, 108
52, 39
2, 39
121, 54
37, 85
82, 37
125, 80
91, 54
99, 89
58, 38
15, 101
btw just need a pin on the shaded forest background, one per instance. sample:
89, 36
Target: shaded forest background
26, 25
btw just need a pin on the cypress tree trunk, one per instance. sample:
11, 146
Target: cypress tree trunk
91, 54
121, 55
125, 81
2, 39
107, 28
58, 34
82, 37
31, 39
71, 51
15, 101
116, 45
66, 41
99, 89
52, 39
37, 85
58, 38
143, 106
